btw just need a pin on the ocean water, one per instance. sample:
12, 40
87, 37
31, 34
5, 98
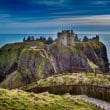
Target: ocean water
12, 38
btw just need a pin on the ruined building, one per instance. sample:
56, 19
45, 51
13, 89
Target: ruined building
66, 37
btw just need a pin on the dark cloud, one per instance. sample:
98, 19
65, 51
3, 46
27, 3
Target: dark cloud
30, 11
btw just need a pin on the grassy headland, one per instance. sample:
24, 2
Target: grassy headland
20, 100
72, 79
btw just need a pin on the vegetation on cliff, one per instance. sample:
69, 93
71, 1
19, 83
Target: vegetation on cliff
23, 63
71, 79
9, 56
95, 52
20, 100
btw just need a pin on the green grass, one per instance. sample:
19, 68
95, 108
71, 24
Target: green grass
20, 100
33, 56
21, 54
71, 79
7, 58
16, 80
9, 53
91, 44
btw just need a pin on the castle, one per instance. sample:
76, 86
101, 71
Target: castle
66, 37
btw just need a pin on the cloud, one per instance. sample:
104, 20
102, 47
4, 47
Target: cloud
93, 20
70, 12
104, 2
34, 14
48, 2
36, 9
75, 20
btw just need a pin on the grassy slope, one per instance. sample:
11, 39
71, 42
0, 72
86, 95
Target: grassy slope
12, 51
92, 44
20, 100
9, 53
16, 80
35, 55
8, 56
71, 79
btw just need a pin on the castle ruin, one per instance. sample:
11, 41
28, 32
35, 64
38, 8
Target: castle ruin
66, 37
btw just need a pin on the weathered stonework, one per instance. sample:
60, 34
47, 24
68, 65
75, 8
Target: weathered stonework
66, 37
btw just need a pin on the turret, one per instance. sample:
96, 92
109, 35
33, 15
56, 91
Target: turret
66, 37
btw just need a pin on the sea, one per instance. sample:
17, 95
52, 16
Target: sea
12, 38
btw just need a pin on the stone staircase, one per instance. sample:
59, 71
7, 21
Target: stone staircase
99, 103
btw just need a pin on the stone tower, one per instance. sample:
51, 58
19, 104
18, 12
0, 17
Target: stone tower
66, 37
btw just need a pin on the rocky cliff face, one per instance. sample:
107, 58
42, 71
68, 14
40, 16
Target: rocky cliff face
97, 53
24, 64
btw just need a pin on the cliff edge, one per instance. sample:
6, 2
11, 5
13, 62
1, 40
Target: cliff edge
23, 63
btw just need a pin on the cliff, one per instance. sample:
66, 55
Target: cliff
21, 63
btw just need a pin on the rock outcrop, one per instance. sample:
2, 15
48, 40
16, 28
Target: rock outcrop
31, 64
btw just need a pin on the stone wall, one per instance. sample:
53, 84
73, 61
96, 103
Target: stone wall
66, 37
94, 91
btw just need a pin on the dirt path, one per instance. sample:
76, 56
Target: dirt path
10, 81
99, 103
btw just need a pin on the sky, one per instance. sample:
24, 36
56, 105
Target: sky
50, 16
